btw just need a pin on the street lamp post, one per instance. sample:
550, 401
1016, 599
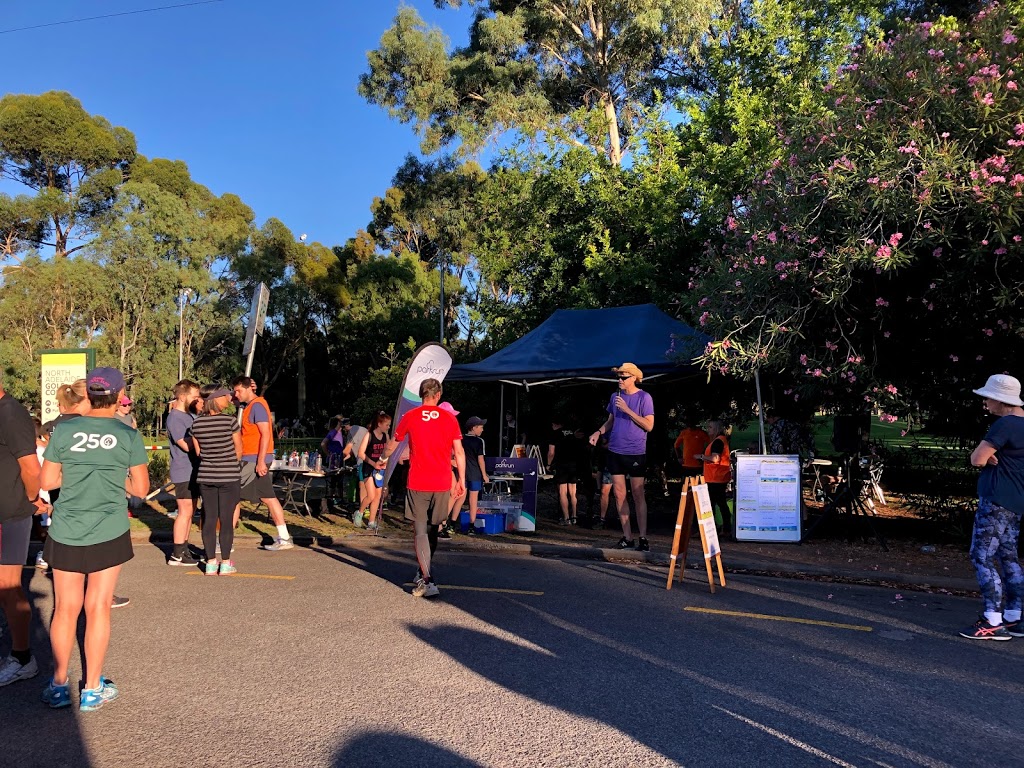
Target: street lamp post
181, 332
440, 266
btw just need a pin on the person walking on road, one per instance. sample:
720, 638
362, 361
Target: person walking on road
433, 436
371, 448
476, 471
218, 442
19, 501
90, 459
630, 419
1000, 455
258, 455
183, 468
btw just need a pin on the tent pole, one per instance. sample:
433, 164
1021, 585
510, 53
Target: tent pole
760, 409
501, 420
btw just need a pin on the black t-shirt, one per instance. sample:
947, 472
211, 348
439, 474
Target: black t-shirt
17, 439
474, 449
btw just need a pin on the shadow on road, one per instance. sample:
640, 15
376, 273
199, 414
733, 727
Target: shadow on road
379, 748
34, 734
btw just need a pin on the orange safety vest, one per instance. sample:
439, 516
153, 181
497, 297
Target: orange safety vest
720, 472
251, 432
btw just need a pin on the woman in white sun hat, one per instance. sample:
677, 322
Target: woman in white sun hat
1000, 505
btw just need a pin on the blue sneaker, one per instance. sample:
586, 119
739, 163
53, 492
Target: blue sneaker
57, 696
94, 698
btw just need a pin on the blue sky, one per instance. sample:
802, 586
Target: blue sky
258, 97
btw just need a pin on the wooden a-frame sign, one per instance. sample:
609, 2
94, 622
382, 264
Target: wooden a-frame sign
694, 503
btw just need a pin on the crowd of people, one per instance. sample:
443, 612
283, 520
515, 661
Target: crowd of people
75, 473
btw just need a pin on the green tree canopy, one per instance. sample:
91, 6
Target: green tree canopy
581, 69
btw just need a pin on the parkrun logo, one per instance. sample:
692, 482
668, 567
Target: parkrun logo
429, 368
504, 465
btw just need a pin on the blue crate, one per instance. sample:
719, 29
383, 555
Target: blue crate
486, 522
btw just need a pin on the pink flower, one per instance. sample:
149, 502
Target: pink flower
1011, 85
772, 237
803, 359
954, 358
1009, 38
880, 302
894, 240
987, 331
886, 334
884, 252
891, 389
987, 99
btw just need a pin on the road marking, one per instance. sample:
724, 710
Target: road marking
484, 589
788, 739
246, 576
792, 619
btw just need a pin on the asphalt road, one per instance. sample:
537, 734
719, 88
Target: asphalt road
522, 662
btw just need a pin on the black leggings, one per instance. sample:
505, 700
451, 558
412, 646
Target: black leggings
219, 502
720, 499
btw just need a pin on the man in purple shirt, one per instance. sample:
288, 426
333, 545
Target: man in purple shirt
630, 418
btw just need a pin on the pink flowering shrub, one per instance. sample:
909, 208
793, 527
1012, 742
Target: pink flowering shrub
872, 264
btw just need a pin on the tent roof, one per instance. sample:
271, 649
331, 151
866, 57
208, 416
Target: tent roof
588, 343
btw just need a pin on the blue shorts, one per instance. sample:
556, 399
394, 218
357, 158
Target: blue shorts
474, 485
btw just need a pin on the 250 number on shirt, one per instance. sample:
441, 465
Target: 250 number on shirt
85, 442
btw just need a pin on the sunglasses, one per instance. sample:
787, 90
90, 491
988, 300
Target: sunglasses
623, 378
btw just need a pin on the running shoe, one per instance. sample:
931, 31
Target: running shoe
279, 545
57, 696
425, 588
40, 562
182, 557
443, 531
563, 521
982, 630
372, 526
1014, 628
211, 568
572, 521
227, 567
598, 524
119, 602
642, 545
625, 543
94, 698
357, 519
12, 670
471, 530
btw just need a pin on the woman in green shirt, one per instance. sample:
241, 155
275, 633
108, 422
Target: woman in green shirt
89, 459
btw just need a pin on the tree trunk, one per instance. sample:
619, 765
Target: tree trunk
614, 143
301, 375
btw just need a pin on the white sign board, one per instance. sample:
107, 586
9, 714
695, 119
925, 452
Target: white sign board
257, 317
706, 521
768, 498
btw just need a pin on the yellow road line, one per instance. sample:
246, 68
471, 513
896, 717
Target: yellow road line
246, 576
792, 619
485, 589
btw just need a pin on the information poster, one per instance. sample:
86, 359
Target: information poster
768, 498
61, 366
706, 521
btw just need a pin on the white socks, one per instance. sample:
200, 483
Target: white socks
1011, 616
282, 532
995, 618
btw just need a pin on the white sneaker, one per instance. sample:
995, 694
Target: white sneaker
40, 563
11, 670
279, 545
425, 589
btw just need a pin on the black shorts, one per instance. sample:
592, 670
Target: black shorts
634, 465
14, 538
431, 506
567, 476
189, 489
90, 558
258, 488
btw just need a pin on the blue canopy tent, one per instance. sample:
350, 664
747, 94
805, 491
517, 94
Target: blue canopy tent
575, 344
587, 344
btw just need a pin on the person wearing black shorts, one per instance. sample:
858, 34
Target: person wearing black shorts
562, 458
19, 501
90, 458
630, 419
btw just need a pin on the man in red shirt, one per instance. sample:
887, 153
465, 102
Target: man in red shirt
433, 435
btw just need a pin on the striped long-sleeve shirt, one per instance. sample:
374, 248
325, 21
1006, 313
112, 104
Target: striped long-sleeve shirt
218, 463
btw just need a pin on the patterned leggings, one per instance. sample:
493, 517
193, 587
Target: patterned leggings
995, 538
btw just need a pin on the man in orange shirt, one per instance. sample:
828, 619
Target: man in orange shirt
257, 456
691, 442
